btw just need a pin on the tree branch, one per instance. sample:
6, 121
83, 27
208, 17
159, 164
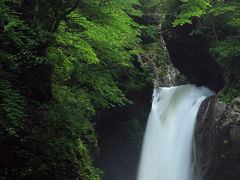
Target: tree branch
214, 29
55, 15
59, 19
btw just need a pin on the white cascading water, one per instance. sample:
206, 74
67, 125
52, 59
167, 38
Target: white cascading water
167, 146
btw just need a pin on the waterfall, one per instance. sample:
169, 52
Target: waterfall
167, 146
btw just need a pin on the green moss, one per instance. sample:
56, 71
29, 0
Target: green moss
158, 56
229, 96
238, 119
225, 141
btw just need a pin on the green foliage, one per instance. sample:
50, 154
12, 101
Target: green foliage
231, 93
150, 31
222, 8
85, 52
219, 22
225, 141
158, 57
226, 50
97, 56
147, 5
228, 97
222, 155
191, 8
133, 130
12, 103
66, 125
227, 53
12, 106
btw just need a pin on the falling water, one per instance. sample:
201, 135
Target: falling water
167, 145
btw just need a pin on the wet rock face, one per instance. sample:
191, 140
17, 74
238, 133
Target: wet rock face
190, 55
218, 140
165, 74
172, 77
205, 138
228, 143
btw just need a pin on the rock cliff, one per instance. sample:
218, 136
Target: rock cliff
217, 131
217, 140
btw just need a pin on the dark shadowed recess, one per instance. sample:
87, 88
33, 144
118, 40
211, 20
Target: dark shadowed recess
37, 80
190, 55
120, 133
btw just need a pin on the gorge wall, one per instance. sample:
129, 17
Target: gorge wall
217, 138
217, 132
175, 59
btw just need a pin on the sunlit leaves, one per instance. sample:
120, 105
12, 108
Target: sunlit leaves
226, 50
146, 5
86, 56
227, 53
222, 8
191, 8
95, 52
